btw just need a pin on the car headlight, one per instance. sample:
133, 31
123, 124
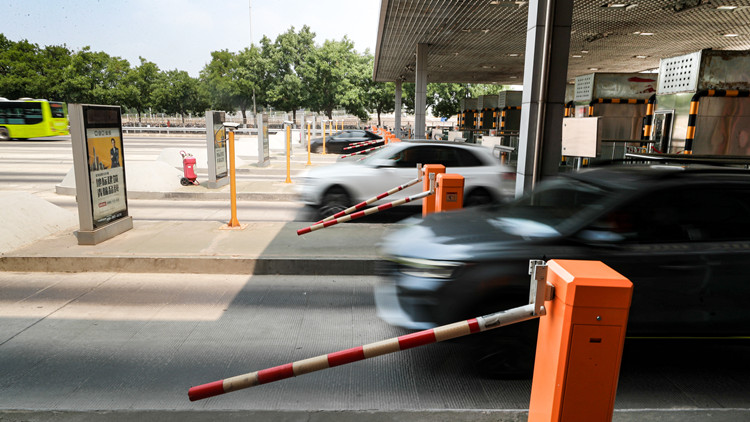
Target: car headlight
426, 268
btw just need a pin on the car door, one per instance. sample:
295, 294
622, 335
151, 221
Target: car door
653, 241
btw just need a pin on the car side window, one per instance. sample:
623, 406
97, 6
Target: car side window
467, 158
686, 214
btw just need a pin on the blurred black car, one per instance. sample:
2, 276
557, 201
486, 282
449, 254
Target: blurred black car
336, 142
681, 234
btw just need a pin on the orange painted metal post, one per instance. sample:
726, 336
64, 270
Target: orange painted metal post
324, 138
428, 204
308, 144
580, 343
288, 154
233, 222
450, 192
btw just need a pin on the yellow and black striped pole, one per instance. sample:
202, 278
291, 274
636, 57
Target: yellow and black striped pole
693, 113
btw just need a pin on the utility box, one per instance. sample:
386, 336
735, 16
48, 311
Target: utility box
428, 203
580, 343
449, 194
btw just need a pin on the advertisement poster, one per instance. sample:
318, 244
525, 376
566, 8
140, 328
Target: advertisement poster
105, 161
220, 150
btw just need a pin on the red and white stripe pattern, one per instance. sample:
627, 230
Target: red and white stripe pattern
363, 213
362, 144
343, 357
364, 151
370, 201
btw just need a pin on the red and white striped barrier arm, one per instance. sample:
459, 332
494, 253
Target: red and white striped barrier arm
363, 143
363, 213
370, 201
364, 151
343, 357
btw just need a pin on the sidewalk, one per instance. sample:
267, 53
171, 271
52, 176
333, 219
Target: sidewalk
209, 247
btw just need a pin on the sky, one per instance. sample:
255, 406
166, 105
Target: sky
181, 34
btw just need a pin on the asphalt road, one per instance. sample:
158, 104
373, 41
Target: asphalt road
118, 346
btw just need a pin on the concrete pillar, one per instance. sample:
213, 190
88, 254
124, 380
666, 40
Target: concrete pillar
420, 92
543, 101
397, 111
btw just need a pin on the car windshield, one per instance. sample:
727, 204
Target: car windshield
555, 206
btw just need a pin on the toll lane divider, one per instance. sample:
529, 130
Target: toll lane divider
363, 213
364, 151
343, 357
370, 201
362, 143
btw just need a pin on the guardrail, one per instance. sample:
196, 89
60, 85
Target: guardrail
179, 130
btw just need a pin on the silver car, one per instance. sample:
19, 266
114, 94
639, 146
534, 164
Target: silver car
335, 187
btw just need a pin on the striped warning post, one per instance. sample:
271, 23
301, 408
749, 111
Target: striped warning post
614, 101
370, 201
693, 112
364, 151
362, 143
343, 357
363, 213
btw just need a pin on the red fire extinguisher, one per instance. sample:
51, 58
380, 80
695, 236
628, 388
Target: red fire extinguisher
188, 166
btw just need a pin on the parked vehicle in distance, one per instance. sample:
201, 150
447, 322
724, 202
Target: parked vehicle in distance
338, 186
27, 118
336, 142
681, 234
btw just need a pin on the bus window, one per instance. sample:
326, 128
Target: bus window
58, 112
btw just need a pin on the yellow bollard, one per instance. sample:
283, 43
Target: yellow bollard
308, 144
324, 138
288, 154
233, 222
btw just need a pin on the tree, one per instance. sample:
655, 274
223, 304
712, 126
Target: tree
381, 98
251, 80
332, 77
143, 79
285, 57
219, 77
26, 70
177, 93
94, 77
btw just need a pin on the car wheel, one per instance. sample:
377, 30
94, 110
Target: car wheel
334, 200
4, 134
477, 197
317, 149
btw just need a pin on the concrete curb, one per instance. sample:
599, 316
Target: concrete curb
199, 196
191, 265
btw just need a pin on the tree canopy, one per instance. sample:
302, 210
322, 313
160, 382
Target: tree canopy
289, 73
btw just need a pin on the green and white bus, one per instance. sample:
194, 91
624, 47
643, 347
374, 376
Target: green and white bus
27, 118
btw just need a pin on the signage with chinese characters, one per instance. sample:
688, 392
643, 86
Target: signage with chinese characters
99, 164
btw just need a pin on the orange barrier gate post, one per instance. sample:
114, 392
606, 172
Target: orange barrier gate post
428, 204
580, 343
450, 192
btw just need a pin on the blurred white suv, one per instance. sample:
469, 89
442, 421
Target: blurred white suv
338, 186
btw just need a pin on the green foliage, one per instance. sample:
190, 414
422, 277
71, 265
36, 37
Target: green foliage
288, 73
